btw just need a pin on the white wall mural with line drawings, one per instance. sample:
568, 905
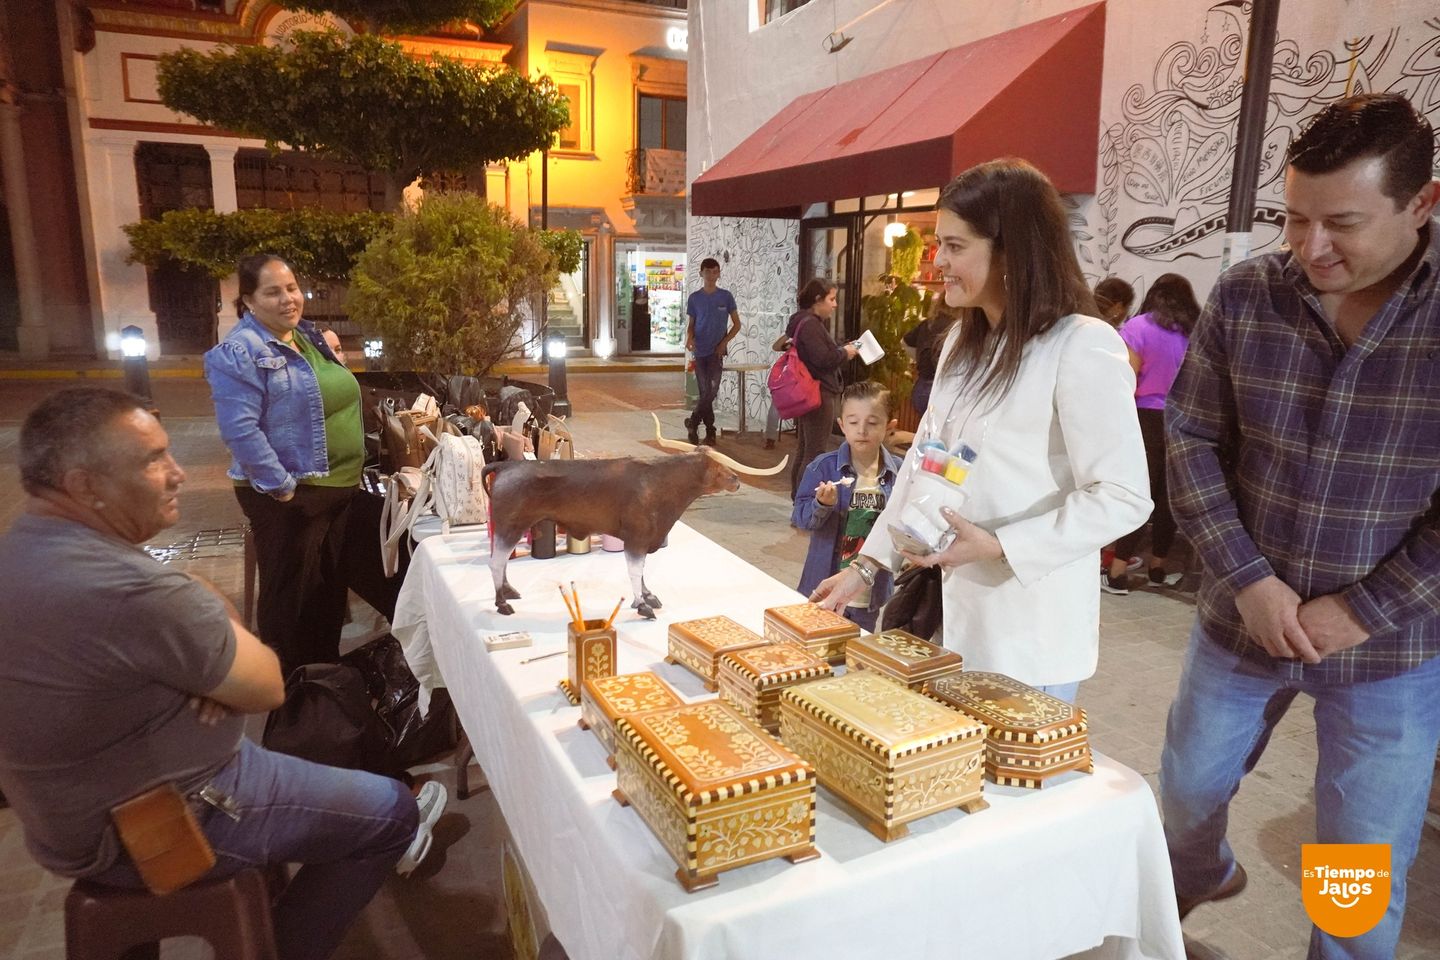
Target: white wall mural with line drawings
1167, 147
760, 266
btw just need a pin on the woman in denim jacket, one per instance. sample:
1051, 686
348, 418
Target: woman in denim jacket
289, 412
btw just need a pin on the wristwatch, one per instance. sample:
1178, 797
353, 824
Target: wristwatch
863, 566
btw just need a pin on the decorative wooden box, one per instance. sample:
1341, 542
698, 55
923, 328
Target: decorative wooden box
697, 645
903, 656
603, 700
1033, 736
894, 754
751, 679
822, 632
716, 790
588, 653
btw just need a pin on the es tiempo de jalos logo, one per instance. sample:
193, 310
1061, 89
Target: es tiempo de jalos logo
1346, 886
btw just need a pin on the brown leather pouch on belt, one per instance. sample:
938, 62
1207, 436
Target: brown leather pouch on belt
164, 841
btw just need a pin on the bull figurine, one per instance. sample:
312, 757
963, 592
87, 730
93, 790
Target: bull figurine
637, 501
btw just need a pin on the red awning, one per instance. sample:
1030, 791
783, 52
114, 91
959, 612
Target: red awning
1032, 92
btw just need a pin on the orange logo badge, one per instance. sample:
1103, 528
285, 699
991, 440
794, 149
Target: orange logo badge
1346, 886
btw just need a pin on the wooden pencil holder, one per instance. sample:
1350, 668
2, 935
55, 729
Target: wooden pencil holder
590, 653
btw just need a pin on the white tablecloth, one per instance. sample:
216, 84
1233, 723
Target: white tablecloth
1078, 865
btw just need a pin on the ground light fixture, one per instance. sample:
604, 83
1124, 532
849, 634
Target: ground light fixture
136, 365
555, 350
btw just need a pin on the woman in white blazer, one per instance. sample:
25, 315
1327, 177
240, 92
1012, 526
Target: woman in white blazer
1043, 391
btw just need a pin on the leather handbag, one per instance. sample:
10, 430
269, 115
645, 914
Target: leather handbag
793, 389
164, 841
918, 603
403, 442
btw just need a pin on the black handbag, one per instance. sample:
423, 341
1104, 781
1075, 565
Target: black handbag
917, 605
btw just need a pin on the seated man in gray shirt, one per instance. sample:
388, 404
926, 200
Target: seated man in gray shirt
118, 674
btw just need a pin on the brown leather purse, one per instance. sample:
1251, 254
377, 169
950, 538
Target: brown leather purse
164, 840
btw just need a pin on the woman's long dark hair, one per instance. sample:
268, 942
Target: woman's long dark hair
817, 289
249, 271
1013, 205
1171, 303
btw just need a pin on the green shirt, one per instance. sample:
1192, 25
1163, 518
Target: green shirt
344, 430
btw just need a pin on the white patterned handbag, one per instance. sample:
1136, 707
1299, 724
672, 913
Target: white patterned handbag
451, 485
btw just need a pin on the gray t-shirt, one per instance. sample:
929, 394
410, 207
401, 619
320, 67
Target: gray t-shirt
101, 647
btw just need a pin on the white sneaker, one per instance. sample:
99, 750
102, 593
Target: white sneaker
431, 800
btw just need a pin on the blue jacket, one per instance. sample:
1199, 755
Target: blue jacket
826, 524
267, 400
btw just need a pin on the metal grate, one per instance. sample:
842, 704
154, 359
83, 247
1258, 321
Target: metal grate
202, 545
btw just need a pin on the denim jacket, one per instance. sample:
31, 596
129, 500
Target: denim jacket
827, 524
267, 400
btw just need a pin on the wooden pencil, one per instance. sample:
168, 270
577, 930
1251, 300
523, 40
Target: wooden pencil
614, 612
568, 608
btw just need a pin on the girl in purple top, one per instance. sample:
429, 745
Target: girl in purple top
1157, 337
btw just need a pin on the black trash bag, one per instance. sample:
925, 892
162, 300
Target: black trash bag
396, 696
917, 604
362, 714
328, 717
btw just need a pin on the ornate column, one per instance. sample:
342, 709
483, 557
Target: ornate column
124, 291
224, 199
33, 333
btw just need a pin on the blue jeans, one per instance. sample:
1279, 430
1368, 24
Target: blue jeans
1062, 691
1377, 744
707, 381
347, 828
862, 617
772, 424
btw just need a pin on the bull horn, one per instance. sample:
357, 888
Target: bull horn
669, 444
750, 471
717, 455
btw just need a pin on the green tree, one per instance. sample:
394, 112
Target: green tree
364, 100
891, 314
320, 244
449, 288
407, 16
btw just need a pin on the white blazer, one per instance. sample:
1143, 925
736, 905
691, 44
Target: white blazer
1060, 474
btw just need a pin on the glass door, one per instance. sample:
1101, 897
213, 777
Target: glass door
827, 251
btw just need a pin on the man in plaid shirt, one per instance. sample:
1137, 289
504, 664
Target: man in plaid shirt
1304, 465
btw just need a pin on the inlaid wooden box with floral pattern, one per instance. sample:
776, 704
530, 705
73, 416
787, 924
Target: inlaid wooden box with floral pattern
751, 679
697, 645
603, 700
1033, 736
903, 656
822, 632
894, 754
717, 791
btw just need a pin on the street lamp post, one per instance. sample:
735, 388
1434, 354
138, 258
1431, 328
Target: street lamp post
135, 363
555, 350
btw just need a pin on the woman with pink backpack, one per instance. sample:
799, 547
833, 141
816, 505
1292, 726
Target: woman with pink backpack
821, 357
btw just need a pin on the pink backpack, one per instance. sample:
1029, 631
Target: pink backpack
794, 391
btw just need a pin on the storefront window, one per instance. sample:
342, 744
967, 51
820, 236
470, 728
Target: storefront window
650, 298
882, 233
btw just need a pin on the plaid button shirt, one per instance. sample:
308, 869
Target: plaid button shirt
1293, 455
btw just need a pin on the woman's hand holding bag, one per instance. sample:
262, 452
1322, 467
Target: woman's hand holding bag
970, 543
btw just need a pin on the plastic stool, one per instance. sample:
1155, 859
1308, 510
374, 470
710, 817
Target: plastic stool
233, 915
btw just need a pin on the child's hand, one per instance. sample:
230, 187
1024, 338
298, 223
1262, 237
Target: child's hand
825, 494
